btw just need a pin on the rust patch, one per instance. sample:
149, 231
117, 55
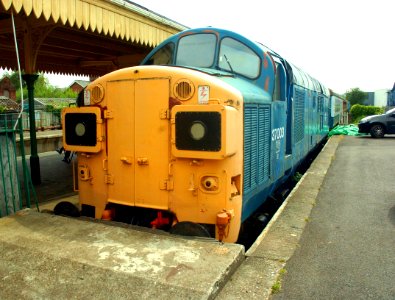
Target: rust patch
273, 63
221, 250
265, 62
22, 212
211, 31
176, 270
267, 81
173, 102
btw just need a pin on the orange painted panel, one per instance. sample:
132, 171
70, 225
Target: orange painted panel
121, 136
152, 143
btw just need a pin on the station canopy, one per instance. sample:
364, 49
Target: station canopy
79, 37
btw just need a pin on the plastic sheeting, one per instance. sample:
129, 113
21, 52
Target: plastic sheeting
345, 130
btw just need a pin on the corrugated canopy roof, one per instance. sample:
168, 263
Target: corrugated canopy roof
82, 37
8, 104
82, 83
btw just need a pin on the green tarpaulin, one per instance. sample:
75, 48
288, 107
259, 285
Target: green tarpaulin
345, 130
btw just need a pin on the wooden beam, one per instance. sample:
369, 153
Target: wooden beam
32, 40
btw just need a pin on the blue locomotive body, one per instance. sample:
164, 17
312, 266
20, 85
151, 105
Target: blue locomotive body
280, 132
285, 109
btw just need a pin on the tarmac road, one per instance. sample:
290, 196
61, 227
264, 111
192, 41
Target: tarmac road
347, 250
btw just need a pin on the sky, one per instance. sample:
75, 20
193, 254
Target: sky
343, 43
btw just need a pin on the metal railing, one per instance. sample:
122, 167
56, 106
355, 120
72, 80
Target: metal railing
43, 120
14, 173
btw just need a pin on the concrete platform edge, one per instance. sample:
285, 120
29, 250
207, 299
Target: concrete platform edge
215, 288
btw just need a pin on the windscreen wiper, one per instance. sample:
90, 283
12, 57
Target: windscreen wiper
228, 62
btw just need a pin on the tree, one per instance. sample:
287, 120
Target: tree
42, 88
358, 112
356, 96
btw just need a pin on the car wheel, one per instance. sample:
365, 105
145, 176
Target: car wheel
377, 131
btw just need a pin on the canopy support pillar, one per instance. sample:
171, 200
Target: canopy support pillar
34, 159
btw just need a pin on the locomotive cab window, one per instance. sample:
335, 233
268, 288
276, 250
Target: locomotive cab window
196, 50
238, 58
164, 56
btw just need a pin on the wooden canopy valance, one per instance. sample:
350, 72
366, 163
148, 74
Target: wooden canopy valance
84, 37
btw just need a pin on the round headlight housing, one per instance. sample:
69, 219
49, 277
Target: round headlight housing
198, 131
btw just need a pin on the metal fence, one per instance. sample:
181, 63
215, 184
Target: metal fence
14, 174
43, 119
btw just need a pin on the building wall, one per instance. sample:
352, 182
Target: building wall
391, 97
370, 99
76, 87
7, 89
381, 98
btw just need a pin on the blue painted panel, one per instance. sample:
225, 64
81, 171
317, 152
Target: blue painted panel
256, 145
263, 142
299, 119
257, 132
278, 139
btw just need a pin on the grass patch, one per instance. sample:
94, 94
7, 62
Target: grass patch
276, 287
297, 177
283, 272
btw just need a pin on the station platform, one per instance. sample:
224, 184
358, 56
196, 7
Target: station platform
333, 238
45, 256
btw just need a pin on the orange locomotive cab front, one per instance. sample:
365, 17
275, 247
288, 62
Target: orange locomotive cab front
163, 140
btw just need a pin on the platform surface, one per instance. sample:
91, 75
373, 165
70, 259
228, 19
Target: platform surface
44, 256
334, 236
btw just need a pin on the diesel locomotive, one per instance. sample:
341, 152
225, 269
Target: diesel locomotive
197, 137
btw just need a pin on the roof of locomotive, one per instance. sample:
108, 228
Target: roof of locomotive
297, 76
219, 32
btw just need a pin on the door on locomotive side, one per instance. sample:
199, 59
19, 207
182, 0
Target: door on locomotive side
138, 152
279, 122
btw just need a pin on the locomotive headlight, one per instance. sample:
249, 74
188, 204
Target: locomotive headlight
205, 131
198, 130
82, 129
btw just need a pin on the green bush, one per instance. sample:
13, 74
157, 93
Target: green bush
359, 111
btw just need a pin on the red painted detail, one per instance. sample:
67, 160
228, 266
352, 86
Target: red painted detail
108, 214
173, 102
223, 220
160, 221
